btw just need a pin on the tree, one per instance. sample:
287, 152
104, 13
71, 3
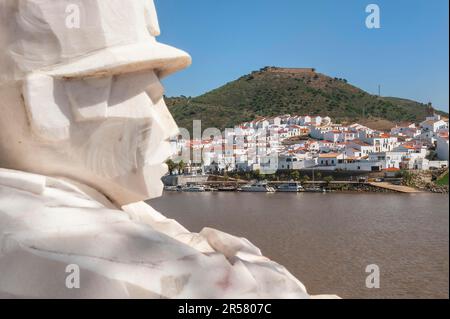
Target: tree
257, 174
227, 167
295, 175
306, 178
181, 167
328, 179
319, 176
171, 166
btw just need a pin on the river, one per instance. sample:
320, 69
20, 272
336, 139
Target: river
327, 240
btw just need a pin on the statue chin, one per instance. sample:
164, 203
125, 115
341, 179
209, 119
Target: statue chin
142, 184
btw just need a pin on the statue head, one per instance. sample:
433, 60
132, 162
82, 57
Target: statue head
80, 93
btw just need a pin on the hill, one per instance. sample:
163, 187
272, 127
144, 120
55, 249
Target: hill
274, 91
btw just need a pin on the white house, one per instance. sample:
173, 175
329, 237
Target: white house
316, 120
364, 147
424, 164
408, 129
293, 161
345, 136
409, 149
297, 130
353, 152
350, 164
442, 147
312, 146
388, 159
330, 159
318, 132
263, 124
275, 120
326, 146
382, 142
304, 120
433, 125
332, 136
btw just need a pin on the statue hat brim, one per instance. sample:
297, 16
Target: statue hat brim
162, 58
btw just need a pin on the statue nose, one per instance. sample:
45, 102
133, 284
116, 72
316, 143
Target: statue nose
166, 119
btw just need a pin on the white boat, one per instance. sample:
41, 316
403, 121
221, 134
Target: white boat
260, 187
194, 189
292, 187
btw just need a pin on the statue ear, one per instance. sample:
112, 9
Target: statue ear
47, 106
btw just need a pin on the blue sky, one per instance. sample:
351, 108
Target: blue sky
408, 55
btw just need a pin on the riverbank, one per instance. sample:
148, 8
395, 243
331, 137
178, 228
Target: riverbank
412, 181
319, 186
428, 181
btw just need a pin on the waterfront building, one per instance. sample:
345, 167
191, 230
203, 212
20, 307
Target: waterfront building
442, 146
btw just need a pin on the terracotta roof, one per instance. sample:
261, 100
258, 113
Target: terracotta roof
329, 155
359, 142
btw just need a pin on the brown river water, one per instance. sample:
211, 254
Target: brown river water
327, 240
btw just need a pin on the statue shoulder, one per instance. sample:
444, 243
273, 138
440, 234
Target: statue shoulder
18, 188
22, 181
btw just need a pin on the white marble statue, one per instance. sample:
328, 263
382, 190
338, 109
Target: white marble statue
83, 137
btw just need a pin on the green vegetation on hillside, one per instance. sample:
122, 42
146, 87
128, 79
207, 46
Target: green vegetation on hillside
274, 91
443, 180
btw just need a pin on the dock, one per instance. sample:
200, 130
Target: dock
396, 188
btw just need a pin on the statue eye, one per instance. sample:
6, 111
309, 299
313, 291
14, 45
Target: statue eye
89, 97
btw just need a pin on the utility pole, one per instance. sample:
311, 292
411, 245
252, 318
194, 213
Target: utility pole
379, 90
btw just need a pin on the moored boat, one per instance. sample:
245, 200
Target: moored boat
227, 189
194, 188
171, 188
259, 187
291, 187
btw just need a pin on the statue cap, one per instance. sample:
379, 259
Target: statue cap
83, 38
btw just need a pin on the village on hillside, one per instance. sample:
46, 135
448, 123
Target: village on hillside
315, 142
